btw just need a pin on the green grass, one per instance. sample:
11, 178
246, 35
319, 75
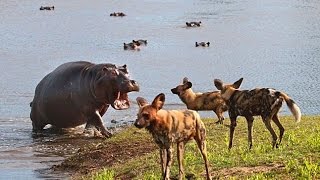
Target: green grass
298, 156
104, 174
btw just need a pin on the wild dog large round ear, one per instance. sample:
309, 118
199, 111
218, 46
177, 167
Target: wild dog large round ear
187, 85
218, 83
185, 80
237, 84
141, 101
158, 101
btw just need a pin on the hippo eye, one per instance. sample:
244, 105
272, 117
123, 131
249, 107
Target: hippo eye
115, 72
146, 116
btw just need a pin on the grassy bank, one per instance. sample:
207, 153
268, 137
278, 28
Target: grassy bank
133, 154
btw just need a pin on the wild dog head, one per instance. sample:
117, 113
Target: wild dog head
148, 112
227, 89
180, 89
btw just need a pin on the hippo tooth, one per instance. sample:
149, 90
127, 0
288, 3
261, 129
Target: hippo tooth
119, 95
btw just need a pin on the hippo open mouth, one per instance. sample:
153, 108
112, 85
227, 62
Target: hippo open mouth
121, 102
121, 97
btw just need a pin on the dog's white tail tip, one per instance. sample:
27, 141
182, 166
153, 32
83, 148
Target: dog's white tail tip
296, 112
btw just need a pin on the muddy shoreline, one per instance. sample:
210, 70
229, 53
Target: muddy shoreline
95, 156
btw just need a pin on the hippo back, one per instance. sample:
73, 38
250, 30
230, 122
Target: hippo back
58, 96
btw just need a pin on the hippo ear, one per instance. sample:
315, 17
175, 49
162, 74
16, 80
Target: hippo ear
141, 101
218, 83
158, 101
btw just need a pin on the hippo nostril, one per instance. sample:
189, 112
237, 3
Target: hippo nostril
134, 86
133, 82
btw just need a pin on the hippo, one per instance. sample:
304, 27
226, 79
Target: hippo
80, 92
140, 42
131, 46
193, 24
118, 14
203, 44
47, 8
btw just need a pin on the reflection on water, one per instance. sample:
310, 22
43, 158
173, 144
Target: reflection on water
269, 43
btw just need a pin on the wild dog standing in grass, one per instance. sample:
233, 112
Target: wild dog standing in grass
265, 102
169, 128
201, 101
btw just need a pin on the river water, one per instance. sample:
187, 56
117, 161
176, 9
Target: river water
269, 43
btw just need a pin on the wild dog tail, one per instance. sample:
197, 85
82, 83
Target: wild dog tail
294, 108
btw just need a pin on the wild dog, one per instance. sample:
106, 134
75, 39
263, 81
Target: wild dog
265, 102
201, 101
169, 127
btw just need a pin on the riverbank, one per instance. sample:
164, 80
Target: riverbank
131, 154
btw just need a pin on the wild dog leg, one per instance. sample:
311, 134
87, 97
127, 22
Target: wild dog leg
250, 124
275, 119
163, 159
203, 149
180, 152
219, 113
232, 127
169, 162
267, 123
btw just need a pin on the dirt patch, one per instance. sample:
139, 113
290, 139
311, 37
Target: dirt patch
105, 154
246, 171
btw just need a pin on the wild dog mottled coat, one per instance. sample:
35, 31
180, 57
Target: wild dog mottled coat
201, 101
265, 102
169, 127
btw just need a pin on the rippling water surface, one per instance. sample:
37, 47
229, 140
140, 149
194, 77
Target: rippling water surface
269, 43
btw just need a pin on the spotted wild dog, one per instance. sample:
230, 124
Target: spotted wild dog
201, 101
169, 127
265, 102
